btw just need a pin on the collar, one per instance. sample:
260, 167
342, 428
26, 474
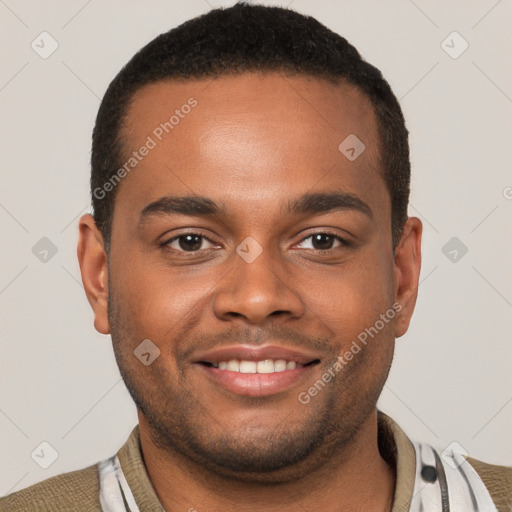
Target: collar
398, 451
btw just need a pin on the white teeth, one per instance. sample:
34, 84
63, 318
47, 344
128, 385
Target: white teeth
233, 365
264, 366
280, 365
247, 366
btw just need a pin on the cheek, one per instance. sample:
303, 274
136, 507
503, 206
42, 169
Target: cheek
159, 302
352, 297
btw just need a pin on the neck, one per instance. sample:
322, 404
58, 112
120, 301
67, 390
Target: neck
355, 477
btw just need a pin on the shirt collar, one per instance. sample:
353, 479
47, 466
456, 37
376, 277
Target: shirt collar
398, 451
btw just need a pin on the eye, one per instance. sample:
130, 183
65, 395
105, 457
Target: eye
323, 241
188, 242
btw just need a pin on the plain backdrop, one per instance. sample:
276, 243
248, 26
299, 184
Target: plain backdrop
451, 379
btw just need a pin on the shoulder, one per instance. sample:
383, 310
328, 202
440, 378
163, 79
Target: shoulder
497, 480
74, 491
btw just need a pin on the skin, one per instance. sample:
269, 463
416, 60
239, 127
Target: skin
253, 143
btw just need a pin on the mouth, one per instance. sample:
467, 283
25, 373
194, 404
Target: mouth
260, 371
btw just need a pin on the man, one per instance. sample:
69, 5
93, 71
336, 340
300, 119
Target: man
251, 256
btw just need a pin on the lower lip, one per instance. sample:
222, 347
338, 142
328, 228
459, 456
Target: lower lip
255, 384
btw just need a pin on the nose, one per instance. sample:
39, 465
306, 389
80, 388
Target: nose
257, 290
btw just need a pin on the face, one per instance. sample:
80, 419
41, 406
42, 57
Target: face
281, 253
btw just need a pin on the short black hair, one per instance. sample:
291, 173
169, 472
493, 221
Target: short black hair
239, 39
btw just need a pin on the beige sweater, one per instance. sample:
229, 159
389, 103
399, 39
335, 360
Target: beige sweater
79, 490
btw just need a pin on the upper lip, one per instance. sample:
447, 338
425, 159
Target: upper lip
260, 353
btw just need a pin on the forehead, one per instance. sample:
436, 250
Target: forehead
252, 137
273, 101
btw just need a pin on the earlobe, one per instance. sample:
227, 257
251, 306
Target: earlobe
92, 259
407, 272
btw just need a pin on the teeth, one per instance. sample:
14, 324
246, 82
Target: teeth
247, 366
280, 365
264, 366
233, 365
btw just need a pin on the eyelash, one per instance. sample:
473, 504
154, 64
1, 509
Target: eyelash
342, 241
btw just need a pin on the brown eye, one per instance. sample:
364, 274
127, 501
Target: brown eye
323, 241
189, 242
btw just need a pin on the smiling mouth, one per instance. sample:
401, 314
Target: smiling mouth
264, 366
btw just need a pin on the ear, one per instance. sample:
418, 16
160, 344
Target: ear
93, 267
407, 272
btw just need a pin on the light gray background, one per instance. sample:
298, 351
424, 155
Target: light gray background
451, 379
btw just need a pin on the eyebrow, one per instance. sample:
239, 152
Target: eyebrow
322, 202
325, 202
